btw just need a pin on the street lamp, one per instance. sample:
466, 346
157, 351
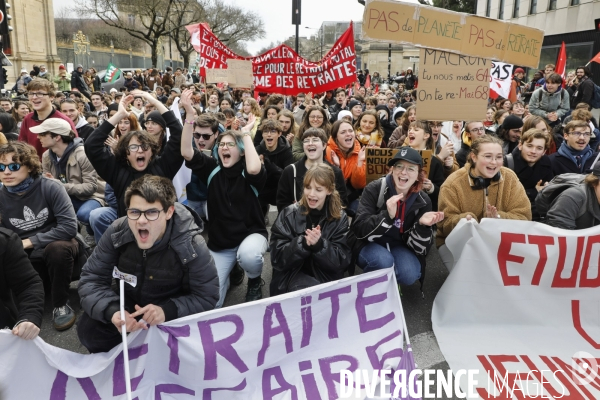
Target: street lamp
321, 30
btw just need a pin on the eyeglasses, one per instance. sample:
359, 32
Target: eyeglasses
36, 94
136, 147
151, 215
482, 129
271, 132
228, 144
408, 168
311, 140
319, 117
584, 134
489, 158
13, 167
205, 136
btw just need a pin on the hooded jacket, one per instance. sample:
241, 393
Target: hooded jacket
458, 198
275, 161
118, 174
177, 273
575, 208
79, 174
19, 281
542, 102
84, 130
293, 175
355, 176
77, 82
326, 261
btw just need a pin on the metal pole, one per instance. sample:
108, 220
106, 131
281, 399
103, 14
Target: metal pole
389, 61
297, 29
322, 32
170, 46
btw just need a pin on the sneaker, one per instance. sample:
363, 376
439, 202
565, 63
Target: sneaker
254, 289
63, 317
236, 276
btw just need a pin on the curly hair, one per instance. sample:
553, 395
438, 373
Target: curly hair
122, 150
254, 107
24, 154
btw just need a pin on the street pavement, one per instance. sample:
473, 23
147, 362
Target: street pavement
417, 307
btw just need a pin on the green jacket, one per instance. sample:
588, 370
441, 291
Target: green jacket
64, 85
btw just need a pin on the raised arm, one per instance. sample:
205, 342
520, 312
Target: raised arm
253, 164
160, 107
187, 150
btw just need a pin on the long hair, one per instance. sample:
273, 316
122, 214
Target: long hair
293, 126
374, 114
16, 105
133, 126
306, 124
254, 107
323, 175
405, 121
421, 124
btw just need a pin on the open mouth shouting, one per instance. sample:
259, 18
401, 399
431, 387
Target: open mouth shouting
143, 234
312, 202
310, 150
411, 138
269, 141
140, 161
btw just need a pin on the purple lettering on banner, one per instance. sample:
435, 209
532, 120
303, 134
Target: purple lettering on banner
306, 321
224, 347
174, 332
119, 370
269, 331
335, 308
59, 386
207, 393
171, 389
308, 381
331, 377
363, 301
376, 362
284, 386
89, 389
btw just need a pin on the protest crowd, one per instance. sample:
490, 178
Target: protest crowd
88, 184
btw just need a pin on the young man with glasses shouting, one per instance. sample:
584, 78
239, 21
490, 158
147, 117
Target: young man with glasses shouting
40, 93
473, 130
40, 211
574, 154
178, 277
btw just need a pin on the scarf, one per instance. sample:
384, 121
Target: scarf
579, 157
21, 187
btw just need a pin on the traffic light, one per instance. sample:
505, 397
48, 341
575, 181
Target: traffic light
5, 18
296, 12
3, 78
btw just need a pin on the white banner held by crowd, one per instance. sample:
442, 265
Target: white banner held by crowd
522, 306
290, 346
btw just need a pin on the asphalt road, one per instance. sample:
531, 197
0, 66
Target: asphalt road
417, 310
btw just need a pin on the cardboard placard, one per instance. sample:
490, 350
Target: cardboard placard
436, 28
217, 75
377, 160
452, 86
242, 73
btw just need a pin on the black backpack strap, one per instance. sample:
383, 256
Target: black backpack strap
510, 161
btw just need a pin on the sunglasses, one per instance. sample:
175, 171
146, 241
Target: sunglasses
13, 167
205, 136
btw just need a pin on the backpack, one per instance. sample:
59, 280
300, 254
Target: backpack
548, 195
595, 100
510, 161
214, 172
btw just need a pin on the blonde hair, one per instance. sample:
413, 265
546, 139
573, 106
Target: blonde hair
323, 175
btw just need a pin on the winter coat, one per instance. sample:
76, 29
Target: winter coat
372, 222
118, 174
355, 176
131, 84
584, 92
575, 208
19, 281
77, 82
459, 198
397, 138
530, 176
167, 80
564, 165
542, 103
64, 85
293, 175
275, 161
177, 274
463, 154
326, 261
82, 180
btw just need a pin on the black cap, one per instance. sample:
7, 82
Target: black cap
407, 154
155, 116
512, 122
353, 103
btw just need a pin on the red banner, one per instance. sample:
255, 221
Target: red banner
282, 70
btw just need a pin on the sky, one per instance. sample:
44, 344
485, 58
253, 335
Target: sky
277, 16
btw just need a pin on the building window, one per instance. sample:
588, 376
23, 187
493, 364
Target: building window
533, 7
574, 2
516, 9
501, 10
552, 5
488, 7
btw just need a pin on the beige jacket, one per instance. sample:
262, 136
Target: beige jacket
82, 180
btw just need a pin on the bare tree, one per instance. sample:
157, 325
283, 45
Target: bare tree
231, 24
145, 20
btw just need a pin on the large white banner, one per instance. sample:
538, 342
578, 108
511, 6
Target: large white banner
522, 305
287, 347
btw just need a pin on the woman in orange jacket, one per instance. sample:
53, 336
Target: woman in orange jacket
344, 151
